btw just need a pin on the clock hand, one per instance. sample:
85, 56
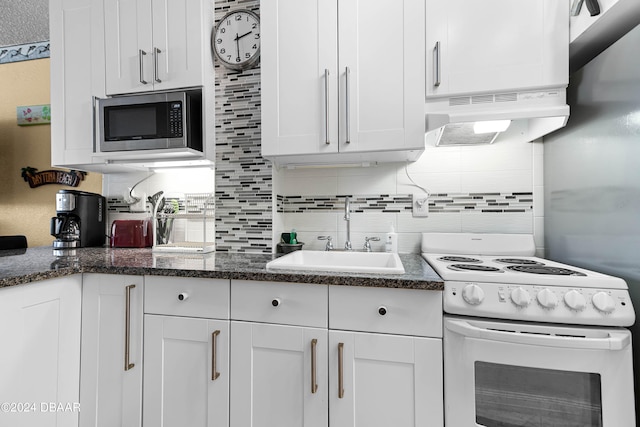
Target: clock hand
244, 35
238, 45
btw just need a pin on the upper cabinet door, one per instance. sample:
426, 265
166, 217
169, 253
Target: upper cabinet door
495, 45
178, 54
128, 46
381, 70
77, 75
299, 76
156, 44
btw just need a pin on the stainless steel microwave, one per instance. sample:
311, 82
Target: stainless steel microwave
152, 121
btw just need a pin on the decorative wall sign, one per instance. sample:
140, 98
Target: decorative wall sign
24, 52
36, 179
34, 115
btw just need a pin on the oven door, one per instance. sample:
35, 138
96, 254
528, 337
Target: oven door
508, 374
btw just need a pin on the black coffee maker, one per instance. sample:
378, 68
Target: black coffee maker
80, 220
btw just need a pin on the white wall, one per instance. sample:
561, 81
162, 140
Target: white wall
503, 167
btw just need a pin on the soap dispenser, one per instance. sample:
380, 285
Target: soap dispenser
391, 245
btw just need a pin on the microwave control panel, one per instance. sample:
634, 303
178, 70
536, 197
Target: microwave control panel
175, 120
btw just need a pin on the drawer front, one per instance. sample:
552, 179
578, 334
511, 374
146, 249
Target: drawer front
390, 311
282, 303
186, 296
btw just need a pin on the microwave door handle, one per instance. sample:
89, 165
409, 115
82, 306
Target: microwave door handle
615, 341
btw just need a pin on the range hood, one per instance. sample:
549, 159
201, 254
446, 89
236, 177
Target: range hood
451, 121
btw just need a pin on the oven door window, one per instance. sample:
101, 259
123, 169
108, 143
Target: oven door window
515, 396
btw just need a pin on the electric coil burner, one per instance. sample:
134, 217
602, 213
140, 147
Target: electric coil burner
458, 259
544, 269
473, 267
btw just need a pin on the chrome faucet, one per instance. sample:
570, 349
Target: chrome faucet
367, 244
347, 217
329, 245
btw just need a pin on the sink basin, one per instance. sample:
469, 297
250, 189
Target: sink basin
348, 262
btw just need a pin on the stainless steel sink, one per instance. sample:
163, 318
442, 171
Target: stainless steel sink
340, 261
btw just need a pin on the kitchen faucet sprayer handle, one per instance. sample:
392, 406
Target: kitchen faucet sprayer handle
367, 244
329, 245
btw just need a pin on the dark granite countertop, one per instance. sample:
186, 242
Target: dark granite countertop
40, 263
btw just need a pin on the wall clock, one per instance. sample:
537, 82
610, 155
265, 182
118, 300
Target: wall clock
236, 40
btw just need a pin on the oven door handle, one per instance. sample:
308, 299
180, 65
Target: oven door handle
615, 341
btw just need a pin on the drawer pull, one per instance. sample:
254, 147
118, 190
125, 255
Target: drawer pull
382, 310
127, 327
340, 370
314, 385
275, 302
183, 296
214, 350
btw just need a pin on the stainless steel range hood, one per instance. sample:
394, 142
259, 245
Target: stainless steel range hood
537, 113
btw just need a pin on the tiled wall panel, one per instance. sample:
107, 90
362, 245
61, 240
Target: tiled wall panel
243, 178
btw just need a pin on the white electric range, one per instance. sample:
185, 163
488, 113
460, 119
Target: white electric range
528, 341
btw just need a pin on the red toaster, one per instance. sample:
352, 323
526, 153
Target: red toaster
131, 233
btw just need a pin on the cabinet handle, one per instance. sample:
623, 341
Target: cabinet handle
340, 370
141, 53
127, 327
436, 64
326, 106
156, 51
94, 103
347, 74
314, 385
214, 347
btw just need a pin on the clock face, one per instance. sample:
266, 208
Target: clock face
236, 40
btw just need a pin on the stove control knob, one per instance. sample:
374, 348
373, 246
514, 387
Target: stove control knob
547, 299
575, 300
473, 294
603, 302
520, 297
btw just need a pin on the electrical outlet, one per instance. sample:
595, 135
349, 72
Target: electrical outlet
420, 205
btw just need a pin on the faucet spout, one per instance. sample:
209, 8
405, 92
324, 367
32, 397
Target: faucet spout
347, 217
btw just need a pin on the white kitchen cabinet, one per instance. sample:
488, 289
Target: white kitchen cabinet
157, 44
342, 77
383, 350
40, 357
77, 76
186, 372
495, 45
279, 366
379, 380
186, 345
111, 381
279, 376
391, 372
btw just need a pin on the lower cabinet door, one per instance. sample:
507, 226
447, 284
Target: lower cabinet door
186, 372
279, 376
40, 353
380, 380
111, 357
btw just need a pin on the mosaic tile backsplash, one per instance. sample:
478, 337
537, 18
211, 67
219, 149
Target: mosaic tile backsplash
243, 177
402, 203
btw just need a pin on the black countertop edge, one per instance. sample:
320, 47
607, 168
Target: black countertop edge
37, 264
